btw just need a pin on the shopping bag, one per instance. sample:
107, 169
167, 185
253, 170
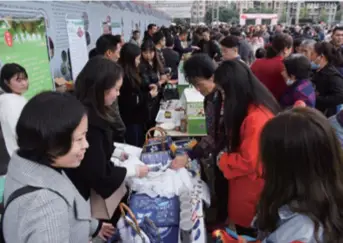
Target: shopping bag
156, 150
183, 146
131, 231
156, 143
229, 236
163, 212
150, 229
104, 208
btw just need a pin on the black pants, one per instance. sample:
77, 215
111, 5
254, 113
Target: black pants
246, 231
135, 135
221, 187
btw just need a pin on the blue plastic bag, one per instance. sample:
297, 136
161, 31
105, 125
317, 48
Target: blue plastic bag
164, 212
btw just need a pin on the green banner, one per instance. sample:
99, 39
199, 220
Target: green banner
23, 41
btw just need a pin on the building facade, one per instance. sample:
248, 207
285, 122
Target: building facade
315, 11
275, 6
200, 7
176, 9
294, 10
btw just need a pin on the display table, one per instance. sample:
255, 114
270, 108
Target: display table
175, 118
178, 134
199, 193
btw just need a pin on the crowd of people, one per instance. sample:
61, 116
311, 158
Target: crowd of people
275, 131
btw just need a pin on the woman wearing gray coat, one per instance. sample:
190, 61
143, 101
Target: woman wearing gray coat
51, 136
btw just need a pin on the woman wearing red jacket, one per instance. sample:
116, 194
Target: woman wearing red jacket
248, 106
268, 70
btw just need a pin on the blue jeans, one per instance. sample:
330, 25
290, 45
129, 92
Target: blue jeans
135, 135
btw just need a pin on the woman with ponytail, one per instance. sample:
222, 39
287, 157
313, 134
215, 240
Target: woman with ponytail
268, 70
327, 79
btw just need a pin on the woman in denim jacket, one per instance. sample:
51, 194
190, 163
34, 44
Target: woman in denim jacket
303, 170
337, 123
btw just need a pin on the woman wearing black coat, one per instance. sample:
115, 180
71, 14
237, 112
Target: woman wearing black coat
152, 72
97, 91
327, 79
135, 96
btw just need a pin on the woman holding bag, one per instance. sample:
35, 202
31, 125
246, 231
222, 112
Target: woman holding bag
97, 87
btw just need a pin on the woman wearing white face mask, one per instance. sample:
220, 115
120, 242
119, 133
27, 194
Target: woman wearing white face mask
297, 77
327, 79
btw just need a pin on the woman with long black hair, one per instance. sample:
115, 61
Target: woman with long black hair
97, 90
303, 171
152, 72
135, 95
248, 106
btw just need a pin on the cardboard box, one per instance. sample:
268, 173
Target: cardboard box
193, 103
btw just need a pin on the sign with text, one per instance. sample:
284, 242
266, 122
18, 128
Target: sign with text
23, 41
77, 45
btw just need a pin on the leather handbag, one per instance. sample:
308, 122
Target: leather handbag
104, 208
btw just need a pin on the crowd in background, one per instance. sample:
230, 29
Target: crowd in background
274, 131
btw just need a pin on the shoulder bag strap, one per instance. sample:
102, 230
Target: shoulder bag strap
17, 193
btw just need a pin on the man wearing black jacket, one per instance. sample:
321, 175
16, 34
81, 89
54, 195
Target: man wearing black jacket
245, 49
208, 46
109, 47
178, 44
171, 57
148, 34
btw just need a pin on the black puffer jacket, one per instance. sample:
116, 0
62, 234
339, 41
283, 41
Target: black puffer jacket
329, 88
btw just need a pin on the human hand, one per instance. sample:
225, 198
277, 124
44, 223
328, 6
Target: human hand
153, 90
106, 232
61, 88
162, 81
195, 48
142, 170
164, 77
124, 156
179, 162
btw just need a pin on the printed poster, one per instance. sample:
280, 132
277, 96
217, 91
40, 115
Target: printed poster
111, 27
77, 45
23, 41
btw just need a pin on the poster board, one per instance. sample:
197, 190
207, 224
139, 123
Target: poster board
77, 45
92, 12
23, 41
109, 26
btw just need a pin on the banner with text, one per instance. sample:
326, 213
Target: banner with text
23, 41
77, 45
